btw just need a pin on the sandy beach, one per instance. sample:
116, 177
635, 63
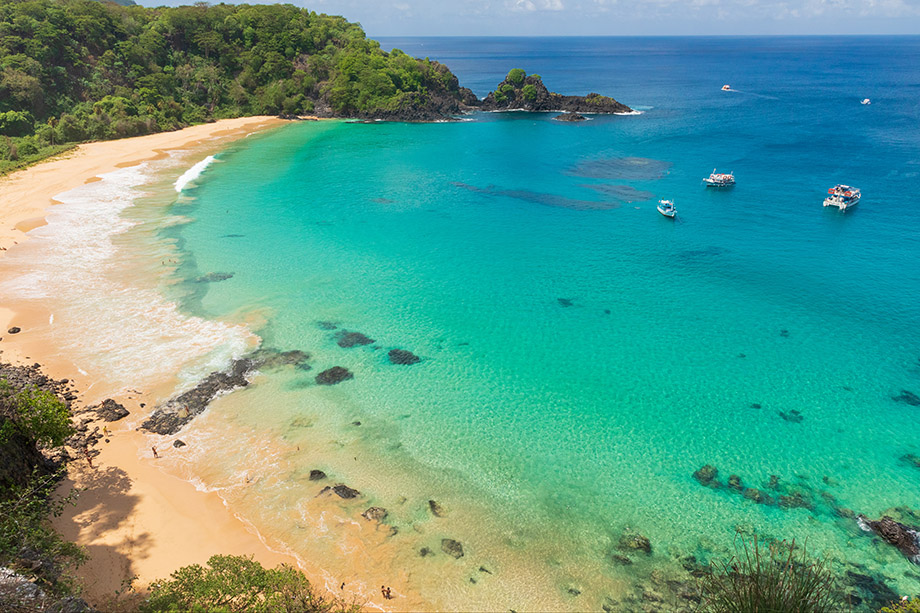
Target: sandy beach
133, 519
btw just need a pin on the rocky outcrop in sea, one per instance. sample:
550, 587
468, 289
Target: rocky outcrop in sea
528, 93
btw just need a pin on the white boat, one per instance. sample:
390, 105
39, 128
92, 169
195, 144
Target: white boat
666, 208
726, 88
865, 101
720, 179
843, 197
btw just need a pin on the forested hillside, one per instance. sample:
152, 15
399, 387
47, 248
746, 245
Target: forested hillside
75, 70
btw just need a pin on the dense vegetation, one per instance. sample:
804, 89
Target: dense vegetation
75, 70
236, 584
28, 543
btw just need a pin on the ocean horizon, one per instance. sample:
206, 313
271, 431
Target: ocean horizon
580, 357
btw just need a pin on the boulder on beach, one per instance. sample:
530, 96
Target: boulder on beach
452, 548
110, 410
436, 509
334, 375
15, 330
178, 444
317, 475
375, 514
344, 491
633, 541
402, 356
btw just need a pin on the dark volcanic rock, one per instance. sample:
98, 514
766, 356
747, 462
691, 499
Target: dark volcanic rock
452, 548
793, 416
326, 325
401, 356
633, 541
425, 552
173, 415
214, 277
334, 375
734, 482
620, 559
757, 496
897, 534
346, 339
796, 500
569, 117
317, 475
875, 592
530, 94
273, 358
110, 410
178, 444
707, 476
375, 514
344, 491
907, 397
911, 460
565, 302
15, 330
436, 509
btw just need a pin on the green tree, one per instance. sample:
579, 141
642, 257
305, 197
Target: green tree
516, 76
529, 92
34, 413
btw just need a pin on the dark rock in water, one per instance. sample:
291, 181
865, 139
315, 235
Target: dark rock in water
784, 333
895, 533
845, 512
569, 117
473, 581
610, 605
401, 356
317, 475
742, 355
233, 236
707, 475
110, 410
573, 591
734, 482
214, 277
346, 339
757, 496
15, 330
796, 500
908, 397
911, 460
452, 548
375, 514
436, 509
606, 311
356, 423
620, 559
483, 569
334, 375
565, 302
344, 491
177, 412
792, 416
178, 444
272, 358
326, 325
693, 566
755, 405
875, 591
774, 482
633, 541
425, 552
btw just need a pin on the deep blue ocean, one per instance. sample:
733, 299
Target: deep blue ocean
581, 355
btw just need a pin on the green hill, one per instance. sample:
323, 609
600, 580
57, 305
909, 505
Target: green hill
75, 70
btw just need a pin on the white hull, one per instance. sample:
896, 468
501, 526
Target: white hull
840, 203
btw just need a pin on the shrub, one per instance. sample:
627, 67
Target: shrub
516, 76
757, 580
235, 584
35, 413
529, 92
903, 606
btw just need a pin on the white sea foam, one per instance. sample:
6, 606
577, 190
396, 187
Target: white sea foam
111, 325
192, 173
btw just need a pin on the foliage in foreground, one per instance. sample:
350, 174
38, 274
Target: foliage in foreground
234, 584
903, 606
773, 579
34, 413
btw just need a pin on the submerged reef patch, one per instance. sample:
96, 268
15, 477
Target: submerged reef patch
542, 198
623, 168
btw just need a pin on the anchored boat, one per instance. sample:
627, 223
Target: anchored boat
666, 208
865, 101
720, 179
725, 88
843, 197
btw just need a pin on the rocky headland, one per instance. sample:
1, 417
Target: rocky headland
520, 91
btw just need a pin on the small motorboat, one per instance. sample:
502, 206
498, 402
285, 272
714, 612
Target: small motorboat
726, 88
843, 197
719, 179
865, 101
666, 208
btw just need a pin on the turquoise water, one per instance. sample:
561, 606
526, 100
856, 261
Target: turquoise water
581, 355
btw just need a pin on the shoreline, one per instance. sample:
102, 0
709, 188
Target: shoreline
134, 519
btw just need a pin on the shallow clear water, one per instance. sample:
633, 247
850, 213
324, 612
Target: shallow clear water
581, 355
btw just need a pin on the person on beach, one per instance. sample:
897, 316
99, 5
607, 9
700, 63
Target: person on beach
383, 591
89, 458
388, 596
155, 454
105, 430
